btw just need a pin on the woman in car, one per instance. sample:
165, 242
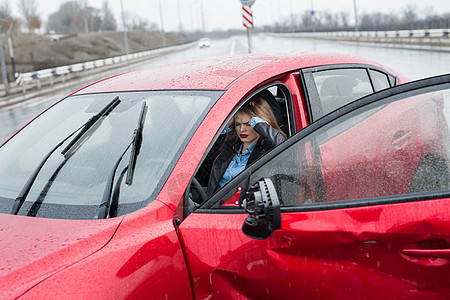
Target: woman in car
255, 132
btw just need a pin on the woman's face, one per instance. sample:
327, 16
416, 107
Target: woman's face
246, 133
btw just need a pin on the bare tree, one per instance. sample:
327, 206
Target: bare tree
410, 12
34, 22
76, 17
84, 14
344, 17
67, 19
136, 22
7, 22
5, 16
330, 20
409, 17
28, 9
109, 22
307, 19
5, 8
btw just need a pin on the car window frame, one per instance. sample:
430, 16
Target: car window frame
292, 131
242, 180
312, 97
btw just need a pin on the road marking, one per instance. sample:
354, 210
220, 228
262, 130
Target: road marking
233, 45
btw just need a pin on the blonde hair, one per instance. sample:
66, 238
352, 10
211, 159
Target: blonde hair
259, 107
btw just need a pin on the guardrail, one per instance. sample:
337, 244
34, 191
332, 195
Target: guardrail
420, 33
433, 39
23, 78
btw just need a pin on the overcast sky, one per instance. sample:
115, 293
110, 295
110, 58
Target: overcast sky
226, 14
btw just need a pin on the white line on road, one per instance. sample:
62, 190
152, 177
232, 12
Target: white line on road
233, 45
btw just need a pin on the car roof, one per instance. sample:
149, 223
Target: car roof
217, 73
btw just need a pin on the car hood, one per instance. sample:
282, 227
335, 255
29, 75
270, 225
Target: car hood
32, 249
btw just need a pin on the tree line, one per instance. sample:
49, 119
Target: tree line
72, 16
75, 16
407, 19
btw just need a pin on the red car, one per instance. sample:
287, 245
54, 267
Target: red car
102, 195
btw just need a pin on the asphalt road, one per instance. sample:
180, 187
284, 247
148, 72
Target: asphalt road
413, 63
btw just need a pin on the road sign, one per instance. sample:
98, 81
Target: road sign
247, 16
247, 20
247, 2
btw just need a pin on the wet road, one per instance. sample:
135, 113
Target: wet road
412, 63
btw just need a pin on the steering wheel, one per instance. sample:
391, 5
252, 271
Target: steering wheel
198, 187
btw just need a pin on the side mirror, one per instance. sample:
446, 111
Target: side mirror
263, 207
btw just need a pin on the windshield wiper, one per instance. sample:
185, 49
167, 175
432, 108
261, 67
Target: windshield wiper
136, 145
27, 187
91, 122
136, 142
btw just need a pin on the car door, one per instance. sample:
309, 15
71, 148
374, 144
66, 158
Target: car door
302, 236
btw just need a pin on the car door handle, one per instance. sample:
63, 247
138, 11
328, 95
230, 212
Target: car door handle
428, 253
400, 138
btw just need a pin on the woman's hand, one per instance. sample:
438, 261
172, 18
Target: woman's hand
231, 122
255, 120
229, 127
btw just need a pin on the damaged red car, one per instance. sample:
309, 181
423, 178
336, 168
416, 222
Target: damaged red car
103, 195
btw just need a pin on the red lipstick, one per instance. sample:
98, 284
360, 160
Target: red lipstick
243, 135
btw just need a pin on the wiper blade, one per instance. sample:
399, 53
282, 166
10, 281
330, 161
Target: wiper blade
136, 145
27, 187
103, 209
91, 122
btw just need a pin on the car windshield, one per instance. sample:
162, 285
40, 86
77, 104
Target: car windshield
71, 186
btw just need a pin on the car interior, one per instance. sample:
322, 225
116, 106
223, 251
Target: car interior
279, 99
335, 92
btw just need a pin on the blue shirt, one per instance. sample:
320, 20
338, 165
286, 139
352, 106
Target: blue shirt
237, 164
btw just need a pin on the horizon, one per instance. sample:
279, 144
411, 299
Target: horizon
224, 15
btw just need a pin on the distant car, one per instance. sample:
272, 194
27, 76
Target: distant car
204, 43
101, 194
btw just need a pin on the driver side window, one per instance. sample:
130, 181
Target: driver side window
256, 126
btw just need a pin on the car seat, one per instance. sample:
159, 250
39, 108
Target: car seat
336, 92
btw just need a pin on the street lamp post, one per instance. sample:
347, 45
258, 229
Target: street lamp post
162, 25
125, 29
356, 15
180, 26
196, 9
292, 16
11, 55
3, 66
203, 17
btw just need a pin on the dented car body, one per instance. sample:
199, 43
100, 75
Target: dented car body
103, 189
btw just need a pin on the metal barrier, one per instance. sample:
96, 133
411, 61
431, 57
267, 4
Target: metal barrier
419, 33
23, 78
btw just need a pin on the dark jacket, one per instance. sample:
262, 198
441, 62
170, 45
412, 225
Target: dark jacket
270, 137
